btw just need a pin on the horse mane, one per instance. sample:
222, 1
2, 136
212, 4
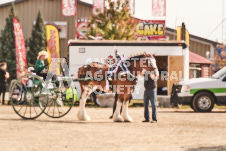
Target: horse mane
138, 56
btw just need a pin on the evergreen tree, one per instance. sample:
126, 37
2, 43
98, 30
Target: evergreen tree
7, 46
37, 42
116, 23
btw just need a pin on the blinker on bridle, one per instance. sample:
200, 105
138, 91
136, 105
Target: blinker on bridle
148, 62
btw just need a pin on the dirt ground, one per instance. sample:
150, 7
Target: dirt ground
176, 130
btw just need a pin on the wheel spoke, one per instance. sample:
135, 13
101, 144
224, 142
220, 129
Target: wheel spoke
24, 84
49, 107
22, 106
54, 107
62, 107
30, 109
25, 110
33, 89
58, 110
34, 107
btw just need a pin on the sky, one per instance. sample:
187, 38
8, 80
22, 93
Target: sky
201, 17
5, 1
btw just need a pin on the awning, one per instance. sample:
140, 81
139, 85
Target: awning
195, 58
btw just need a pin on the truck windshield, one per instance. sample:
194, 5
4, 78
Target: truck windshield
219, 73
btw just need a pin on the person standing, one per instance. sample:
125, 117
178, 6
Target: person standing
65, 69
150, 84
4, 75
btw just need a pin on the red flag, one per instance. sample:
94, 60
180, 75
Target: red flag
158, 8
98, 6
69, 7
82, 28
21, 59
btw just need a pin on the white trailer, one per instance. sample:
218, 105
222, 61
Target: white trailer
171, 56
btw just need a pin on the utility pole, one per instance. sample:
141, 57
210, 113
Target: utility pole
183, 29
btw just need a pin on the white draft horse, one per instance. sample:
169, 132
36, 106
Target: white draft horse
123, 84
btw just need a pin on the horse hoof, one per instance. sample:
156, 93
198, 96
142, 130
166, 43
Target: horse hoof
86, 118
118, 119
83, 117
128, 119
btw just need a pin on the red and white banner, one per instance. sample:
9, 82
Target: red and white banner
69, 7
150, 29
98, 6
82, 28
158, 8
21, 58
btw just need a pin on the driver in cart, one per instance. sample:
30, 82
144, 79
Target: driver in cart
40, 66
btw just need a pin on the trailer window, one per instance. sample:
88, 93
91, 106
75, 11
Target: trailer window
82, 50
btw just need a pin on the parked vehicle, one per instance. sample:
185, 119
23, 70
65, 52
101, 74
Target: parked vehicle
202, 93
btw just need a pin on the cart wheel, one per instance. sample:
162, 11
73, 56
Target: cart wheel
28, 97
60, 102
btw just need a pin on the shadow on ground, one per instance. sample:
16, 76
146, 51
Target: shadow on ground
192, 112
213, 148
65, 121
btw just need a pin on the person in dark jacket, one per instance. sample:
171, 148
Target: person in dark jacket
150, 93
65, 69
4, 75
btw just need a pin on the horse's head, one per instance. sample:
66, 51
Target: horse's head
142, 61
150, 62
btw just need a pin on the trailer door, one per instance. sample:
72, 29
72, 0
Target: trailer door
175, 70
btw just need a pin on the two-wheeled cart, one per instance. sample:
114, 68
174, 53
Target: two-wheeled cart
31, 96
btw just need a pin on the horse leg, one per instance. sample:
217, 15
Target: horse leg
125, 113
82, 115
117, 117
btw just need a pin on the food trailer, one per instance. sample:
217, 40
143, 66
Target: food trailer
172, 58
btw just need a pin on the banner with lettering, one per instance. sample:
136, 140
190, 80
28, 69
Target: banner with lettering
158, 8
69, 7
98, 6
150, 29
82, 28
21, 58
53, 49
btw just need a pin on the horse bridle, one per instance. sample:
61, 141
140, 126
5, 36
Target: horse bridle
151, 62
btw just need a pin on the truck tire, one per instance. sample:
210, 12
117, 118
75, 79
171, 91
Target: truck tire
203, 102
